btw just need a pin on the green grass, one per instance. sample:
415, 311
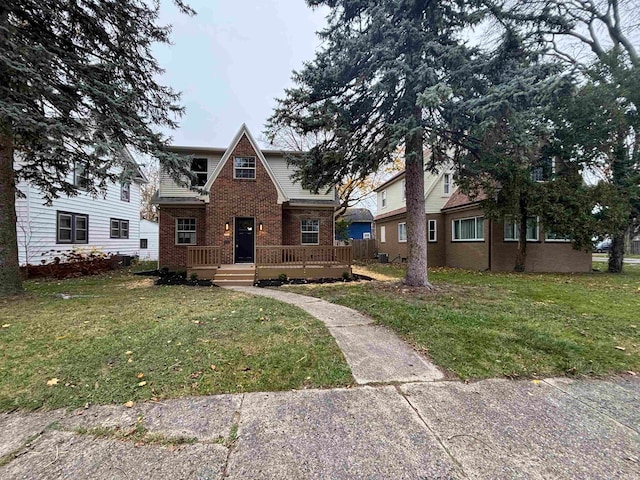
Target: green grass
183, 340
479, 325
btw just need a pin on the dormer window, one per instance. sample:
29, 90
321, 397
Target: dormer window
199, 169
244, 168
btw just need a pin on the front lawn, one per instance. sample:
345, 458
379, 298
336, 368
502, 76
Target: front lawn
479, 325
118, 338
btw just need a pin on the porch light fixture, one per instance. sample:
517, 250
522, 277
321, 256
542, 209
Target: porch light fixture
260, 226
226, 226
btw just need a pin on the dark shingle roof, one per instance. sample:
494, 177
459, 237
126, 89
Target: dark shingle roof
357, 215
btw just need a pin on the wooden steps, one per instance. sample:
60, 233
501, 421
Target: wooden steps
227, 275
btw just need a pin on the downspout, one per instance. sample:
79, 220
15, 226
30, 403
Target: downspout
490, 242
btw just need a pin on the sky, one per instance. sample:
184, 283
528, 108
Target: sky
232, 60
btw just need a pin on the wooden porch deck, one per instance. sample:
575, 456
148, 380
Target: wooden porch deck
308, 262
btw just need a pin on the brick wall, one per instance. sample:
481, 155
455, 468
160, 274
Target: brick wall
542, 255
171, 255
291, 224
397, 251
230, 198
469, 254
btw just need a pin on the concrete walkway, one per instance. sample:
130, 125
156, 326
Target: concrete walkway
553, 429
375, 354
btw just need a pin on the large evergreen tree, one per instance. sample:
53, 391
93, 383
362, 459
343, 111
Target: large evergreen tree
77, 82
363, 91
609, 29
506, 148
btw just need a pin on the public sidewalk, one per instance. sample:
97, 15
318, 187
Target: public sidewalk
491, 429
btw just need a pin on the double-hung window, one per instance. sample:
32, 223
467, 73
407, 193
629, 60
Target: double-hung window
468, 229
119, 228
310, 232
244, 168
72, 228
433, 231
185, 231
402, 232
383, 234
511, 230
446, 189
383, 199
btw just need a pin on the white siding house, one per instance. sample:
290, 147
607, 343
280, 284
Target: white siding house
149, 240
109, 223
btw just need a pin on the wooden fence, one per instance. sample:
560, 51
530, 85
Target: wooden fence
364, 249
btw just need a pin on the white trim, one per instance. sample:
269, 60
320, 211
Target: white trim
195, 238
223, 161
302, 232
405, 232
477, 239
244, 168
516, 230
435, 231
446, 193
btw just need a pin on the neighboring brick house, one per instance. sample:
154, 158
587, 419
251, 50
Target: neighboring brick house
250, 201
459, 236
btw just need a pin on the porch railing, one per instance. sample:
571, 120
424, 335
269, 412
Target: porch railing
203, 257
303, 255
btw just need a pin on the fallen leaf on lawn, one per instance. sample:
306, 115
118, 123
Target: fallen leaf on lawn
142, 384
129, 404
128, 352
52, 382
213, 367
618, 347
631, 372
6, 325
536, 381
130, 360
140, 375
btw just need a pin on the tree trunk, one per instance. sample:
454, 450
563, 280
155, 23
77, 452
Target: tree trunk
521, 253
416, 219
616, 253
10, 282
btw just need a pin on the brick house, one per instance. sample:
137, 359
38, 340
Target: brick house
250, 214
459, 236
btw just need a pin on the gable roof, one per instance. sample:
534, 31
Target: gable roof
357, 215
459, 199
244, 131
